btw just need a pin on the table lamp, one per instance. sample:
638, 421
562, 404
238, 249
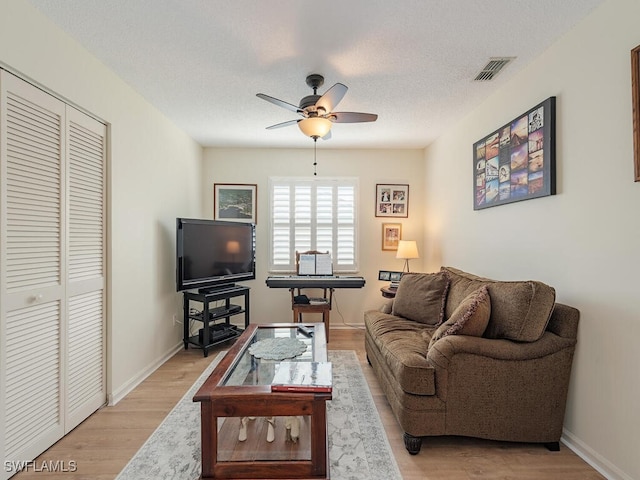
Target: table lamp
407, 249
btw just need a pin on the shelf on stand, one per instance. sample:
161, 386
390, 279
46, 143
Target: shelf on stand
218, 312
216, 324
217, 334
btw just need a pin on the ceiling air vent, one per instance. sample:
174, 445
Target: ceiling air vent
491, 69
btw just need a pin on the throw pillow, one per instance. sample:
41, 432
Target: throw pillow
387, 307
421, 297
470, 318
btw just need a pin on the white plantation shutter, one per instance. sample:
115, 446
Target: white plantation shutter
52, 254
313, 214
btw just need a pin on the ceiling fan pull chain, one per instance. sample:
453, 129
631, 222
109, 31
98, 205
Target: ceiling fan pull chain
315, 162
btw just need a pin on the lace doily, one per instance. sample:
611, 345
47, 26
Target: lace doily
277, 348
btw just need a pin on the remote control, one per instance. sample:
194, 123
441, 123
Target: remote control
306, 331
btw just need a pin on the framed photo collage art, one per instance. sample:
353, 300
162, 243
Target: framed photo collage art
517, 161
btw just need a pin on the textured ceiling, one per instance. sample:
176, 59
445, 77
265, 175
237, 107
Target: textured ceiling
201, 62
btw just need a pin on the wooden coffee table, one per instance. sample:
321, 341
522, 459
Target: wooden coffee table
240, 388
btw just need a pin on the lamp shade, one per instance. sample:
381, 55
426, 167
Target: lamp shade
407, 249
316, 127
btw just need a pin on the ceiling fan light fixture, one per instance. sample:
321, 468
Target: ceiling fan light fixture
315, 127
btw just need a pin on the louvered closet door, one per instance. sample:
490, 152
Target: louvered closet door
85, 387
32, 268
52, 250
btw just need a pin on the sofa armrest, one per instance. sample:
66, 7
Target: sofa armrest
564, 321
498, 383
444, 350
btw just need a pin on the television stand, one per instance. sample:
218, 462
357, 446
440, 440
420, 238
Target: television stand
216, 321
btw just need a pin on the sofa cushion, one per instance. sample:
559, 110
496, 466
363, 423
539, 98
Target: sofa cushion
519, 310
470, 318
421, 297
404, 350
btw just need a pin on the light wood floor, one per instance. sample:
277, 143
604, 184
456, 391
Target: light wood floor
103, 444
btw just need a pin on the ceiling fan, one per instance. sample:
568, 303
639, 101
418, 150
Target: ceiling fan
317, 110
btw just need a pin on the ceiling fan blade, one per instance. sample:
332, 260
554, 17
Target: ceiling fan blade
332, 97
280, 103
352, 117
283, 124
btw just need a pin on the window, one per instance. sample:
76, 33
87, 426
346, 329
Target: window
313, 214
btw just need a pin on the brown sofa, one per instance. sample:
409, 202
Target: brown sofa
458, 354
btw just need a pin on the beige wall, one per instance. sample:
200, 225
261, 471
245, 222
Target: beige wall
154, 170
583, 241
371, 167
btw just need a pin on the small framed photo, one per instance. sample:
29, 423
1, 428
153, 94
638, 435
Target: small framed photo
391, 234
235, 202
395, 276
388, 276
384, 275
392, 200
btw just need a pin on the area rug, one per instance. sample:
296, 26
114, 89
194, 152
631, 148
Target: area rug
358, 446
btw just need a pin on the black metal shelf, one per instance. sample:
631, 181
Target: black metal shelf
217, 334
216, 322
218, 312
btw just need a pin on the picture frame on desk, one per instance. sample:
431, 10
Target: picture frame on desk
390, 276
389, 291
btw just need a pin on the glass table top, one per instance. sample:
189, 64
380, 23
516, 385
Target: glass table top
267, 342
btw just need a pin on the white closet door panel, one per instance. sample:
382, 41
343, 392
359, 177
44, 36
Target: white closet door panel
32, 268
33, 187
86, 149
86, 385
33, 417
85, 372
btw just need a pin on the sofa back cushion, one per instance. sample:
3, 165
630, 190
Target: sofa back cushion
421, 297
519, 310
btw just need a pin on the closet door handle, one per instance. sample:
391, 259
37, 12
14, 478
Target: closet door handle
36, 298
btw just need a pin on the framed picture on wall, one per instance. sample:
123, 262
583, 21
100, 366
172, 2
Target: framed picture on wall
635, 99
518, 160
392, 200
391, 234
235, 202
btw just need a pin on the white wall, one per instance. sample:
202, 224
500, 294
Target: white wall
154, 177
371, 167
583, 241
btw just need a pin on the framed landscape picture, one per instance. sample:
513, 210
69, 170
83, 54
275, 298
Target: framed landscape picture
517, 161
392, 200
235, 202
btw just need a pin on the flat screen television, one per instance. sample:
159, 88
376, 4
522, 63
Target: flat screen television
213, 253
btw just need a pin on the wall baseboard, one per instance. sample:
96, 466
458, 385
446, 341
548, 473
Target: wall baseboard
114, 397
593, 458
